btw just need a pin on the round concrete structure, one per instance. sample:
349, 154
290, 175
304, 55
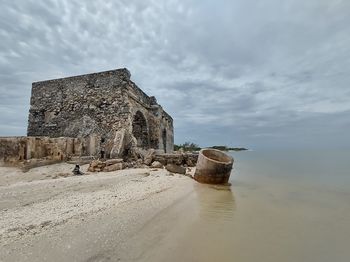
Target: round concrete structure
213, 167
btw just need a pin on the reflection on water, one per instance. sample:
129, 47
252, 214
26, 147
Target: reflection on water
215, 203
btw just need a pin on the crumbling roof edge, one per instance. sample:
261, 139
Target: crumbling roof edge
169, 116
84, 75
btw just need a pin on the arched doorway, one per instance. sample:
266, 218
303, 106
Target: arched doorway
164, 140
140, 130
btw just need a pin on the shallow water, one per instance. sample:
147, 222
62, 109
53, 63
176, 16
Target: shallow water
282, 206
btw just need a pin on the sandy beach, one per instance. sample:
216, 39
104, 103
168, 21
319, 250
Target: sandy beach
47, 214
280, 207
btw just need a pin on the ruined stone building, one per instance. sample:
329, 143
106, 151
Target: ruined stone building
107, 108
99, 114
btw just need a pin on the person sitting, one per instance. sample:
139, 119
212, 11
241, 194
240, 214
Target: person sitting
76, 171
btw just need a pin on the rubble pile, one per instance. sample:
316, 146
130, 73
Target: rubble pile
175, 162
106, 165
181, 159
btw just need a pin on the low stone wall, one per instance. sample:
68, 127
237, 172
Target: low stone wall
21, 150
181, 159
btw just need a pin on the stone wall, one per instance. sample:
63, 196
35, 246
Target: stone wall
15, 150
79, 106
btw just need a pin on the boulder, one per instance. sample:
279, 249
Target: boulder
110, 162
114, 167
160, 158
108, 165
148, 157
94, 163
176, 169
139, 164
157, 164
95, 166
101, 166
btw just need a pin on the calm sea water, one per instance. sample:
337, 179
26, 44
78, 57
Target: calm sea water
282, 206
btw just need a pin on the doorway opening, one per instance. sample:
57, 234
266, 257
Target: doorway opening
140, 130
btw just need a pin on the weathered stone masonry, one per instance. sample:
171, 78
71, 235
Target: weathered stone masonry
100, 114
31, 150
106, 108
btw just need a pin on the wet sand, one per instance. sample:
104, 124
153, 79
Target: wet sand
290, 207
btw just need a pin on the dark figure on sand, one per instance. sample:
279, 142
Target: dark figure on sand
76, 171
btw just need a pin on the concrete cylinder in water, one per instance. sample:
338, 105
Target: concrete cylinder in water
213, 167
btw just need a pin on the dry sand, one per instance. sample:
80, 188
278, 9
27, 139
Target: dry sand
47, 214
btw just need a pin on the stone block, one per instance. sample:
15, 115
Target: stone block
175, 169
149, 156
110, 162
114, 167
156, 164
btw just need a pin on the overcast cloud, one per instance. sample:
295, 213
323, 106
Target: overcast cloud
245, 73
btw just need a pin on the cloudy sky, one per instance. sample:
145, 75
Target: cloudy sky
260, 74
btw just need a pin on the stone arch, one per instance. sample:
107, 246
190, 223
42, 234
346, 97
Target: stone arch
164, 139
140, 130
